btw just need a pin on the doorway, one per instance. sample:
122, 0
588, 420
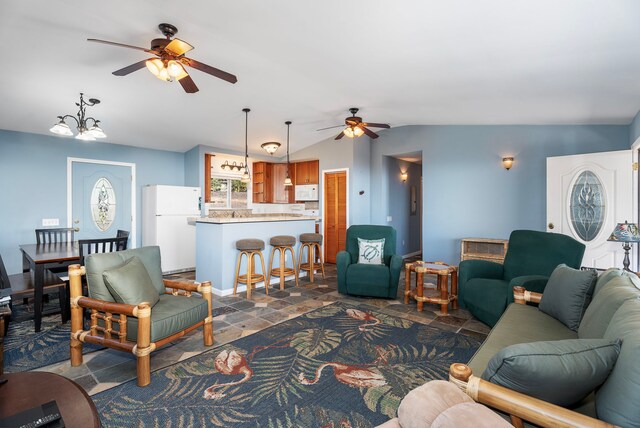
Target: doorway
336, 210
100, 198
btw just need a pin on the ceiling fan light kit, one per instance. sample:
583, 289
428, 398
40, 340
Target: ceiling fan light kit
88, 128
356, 127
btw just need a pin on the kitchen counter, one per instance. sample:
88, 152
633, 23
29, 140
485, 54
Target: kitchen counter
255, 219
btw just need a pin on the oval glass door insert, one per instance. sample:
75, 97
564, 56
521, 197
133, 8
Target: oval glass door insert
587, 206
103, 204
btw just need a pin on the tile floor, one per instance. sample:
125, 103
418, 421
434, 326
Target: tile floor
107, 368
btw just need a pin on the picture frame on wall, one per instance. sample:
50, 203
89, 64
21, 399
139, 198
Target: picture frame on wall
413, 201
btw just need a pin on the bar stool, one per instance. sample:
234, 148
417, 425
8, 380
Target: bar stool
282, 243
249, 248
312, 242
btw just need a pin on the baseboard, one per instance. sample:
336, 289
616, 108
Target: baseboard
243, 287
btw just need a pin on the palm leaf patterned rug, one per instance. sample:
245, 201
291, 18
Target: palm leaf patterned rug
340, 365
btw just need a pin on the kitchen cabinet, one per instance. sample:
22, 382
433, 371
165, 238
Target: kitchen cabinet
262, 182
280, 192
307, 172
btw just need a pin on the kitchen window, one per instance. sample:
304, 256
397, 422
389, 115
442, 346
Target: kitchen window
228, 193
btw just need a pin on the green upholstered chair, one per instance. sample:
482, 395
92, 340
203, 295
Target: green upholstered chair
486, 288
366, 279
121, 321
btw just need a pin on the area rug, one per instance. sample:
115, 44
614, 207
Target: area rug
340, 365
25, 350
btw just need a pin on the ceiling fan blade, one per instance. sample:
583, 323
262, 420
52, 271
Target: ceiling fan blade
130, 68
330, 127
369, 132
178, 47
209, 70
122, 45
340, 135
376, 125
188, 85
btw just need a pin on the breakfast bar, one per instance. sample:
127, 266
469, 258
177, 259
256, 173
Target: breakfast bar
216, 253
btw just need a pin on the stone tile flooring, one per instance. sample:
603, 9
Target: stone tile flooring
105, 369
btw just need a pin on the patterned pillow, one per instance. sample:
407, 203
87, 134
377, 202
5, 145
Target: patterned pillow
370, 252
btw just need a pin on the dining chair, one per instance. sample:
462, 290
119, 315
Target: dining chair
55, 235
22, 287
102, 245
122, 234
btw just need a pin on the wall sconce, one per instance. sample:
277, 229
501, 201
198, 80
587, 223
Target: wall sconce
507, 162
404, 176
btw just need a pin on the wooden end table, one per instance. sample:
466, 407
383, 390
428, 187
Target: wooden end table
5, 314
441, 296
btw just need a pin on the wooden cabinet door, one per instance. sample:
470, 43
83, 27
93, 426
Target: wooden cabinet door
335, 214
268, 182
313, 172
302, 173
280, 192
258, 182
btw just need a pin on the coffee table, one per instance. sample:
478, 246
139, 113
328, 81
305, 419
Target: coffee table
29, 389
441, 296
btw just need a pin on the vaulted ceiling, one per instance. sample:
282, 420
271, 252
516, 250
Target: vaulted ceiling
403, 62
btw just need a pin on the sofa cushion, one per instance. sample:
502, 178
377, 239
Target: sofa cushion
605, 277
486, 298
170, 315
370, 251
469, 415
617, 290
617, 399
440, 395
567, 294
131, 283
519, 324
562, 372
368, 280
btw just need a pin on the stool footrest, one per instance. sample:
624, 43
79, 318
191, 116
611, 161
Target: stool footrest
285, 271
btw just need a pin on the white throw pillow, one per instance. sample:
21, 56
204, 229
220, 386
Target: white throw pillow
370, 252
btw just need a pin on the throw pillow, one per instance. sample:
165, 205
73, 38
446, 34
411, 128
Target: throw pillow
370, 251
567, 294
561, 372
131, 283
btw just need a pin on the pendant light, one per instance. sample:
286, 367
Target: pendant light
246, 177
287, 181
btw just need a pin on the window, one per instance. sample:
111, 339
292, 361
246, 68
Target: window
228, 193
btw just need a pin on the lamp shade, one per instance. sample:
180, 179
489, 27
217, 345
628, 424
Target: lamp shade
270, 146
61, 128
625, 232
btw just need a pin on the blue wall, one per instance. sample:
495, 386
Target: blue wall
407, 226
466, 191
33, 182
634, 129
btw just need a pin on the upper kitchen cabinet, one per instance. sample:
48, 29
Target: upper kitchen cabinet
280, 192
262, 182
307, 172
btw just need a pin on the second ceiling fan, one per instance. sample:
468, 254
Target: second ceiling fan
356, 127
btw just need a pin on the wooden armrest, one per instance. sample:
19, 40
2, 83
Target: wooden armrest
522, 296
516, 404
189, 286
111, 307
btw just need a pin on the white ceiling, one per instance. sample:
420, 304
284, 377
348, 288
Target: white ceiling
403, 62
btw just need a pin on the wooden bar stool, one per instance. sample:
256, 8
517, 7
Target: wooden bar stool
250, 248
312, 242
282, 243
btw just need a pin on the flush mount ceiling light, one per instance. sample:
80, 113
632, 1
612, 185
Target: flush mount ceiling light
287, 181
246, 177
88, 128
270, 147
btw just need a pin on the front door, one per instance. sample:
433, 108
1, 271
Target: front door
101, 199
335, 214
587, 195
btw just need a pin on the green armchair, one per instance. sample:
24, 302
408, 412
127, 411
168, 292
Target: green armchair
365, 279
486, 288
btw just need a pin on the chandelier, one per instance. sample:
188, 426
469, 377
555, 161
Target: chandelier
88, 128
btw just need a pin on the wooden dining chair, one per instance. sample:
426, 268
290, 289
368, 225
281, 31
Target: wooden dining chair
102, 245
21, 285
122, 234
55, 235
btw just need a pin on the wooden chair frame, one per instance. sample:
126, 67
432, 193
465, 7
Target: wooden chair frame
54, 235
313, 250
283, 270
110, 312
251, 277
519, 406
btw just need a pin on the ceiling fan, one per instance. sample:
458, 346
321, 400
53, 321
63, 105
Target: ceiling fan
356, 127
169, 60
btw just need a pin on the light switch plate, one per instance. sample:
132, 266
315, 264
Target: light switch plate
389, 218
51, 222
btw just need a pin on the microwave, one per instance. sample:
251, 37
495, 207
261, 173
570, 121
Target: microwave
307, 192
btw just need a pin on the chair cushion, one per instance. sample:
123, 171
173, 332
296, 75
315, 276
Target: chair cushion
617, 399
368, 280
99, 262
282, 241
567, 294
250, 244
617, 290
470, 415
605, 277
131, 283
170, 315
486, 299
440, 395
370, 251
562, 372
311, 237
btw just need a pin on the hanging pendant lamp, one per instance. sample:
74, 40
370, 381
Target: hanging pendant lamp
287, 181
246, 177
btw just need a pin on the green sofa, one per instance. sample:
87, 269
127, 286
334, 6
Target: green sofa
614, 313
485, 288
366, 279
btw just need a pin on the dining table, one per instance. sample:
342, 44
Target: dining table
38, 258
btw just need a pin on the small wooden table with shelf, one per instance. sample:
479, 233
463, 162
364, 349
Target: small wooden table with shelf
441, 295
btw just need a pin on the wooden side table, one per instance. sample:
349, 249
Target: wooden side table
5, 313
441, 296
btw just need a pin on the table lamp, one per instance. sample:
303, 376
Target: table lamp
626, 233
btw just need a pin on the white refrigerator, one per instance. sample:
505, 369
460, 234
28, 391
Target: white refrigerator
165, 213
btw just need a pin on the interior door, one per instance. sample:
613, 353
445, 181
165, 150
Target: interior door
335, 214
101, 199
587, 195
